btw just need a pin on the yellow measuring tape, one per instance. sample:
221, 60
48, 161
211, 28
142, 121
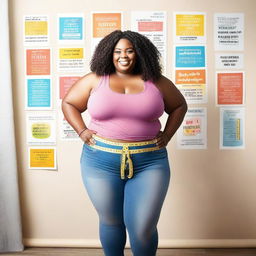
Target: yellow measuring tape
125, 152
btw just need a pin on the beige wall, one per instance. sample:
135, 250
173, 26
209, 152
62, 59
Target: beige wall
211, 200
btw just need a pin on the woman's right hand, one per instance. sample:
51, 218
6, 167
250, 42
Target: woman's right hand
86, 136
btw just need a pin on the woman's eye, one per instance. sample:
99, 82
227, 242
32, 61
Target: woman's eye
117, 52
130, 51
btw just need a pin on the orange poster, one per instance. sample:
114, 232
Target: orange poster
105, 23
230, 89
190, 76
38, 62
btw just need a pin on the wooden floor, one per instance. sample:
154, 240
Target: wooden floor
160, 252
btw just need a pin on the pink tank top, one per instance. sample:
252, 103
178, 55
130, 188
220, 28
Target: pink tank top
132, 117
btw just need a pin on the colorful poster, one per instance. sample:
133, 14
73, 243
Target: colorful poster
232, 128
189, 27
38, 93
192, 84
197, 76
41, 128
103, 23
230, 88
192, 133
65, 83
38, 62
152, 24
71, 28
71, 60
36, 30
66, 131
190, 56
229, 61
229, 31
42, 158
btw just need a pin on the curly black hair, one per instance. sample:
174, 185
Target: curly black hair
147, 55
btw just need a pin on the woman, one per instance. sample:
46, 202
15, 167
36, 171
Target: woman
124, 161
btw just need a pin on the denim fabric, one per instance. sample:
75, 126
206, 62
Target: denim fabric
133, 204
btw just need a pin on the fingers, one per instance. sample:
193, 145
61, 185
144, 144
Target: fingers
87, 137
162, 140
91, 141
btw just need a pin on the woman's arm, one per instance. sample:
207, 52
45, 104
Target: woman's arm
175, 107
75, 103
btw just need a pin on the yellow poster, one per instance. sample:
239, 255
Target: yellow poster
190, 27
71, 60
42, 158
36, 30
71, 53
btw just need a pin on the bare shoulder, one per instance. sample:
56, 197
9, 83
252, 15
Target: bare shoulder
165, 85
80, 91
88, 81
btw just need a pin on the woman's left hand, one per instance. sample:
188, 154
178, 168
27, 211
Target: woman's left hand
162, 139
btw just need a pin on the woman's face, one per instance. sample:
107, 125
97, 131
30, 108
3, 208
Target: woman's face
124, 56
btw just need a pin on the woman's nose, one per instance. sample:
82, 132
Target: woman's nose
123, 54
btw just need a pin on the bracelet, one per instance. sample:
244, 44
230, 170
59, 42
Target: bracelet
82, 131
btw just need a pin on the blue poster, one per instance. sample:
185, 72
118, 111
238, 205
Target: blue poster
39, 93
70, 28
232, 128
190, 56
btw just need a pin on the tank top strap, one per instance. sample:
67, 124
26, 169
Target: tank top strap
105, 81
101, 84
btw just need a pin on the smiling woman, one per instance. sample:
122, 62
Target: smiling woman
124, 57
124, 161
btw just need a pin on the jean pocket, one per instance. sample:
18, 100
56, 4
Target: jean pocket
90, 149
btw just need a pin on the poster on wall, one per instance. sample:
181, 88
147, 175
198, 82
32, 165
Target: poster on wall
152, 24
190, 56
103, 23
230, 88
67, 132
71, 60
38, 93
189, 27
43, 158
229, 61
232, 128
229, 31
71, 28
192, 133
36, 30
41, 128
65, 83
38, 62
192, 84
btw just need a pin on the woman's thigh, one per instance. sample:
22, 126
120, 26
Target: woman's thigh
145, 192
103, 184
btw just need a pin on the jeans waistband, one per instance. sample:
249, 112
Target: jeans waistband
125, 149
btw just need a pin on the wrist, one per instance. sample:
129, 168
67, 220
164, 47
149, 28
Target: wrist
81, 131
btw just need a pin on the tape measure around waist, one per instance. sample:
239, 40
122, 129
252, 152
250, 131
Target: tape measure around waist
125, 156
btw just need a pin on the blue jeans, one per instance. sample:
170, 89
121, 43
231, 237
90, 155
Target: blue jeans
133, 204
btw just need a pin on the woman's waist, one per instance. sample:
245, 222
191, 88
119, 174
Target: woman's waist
120, 143
124, 141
